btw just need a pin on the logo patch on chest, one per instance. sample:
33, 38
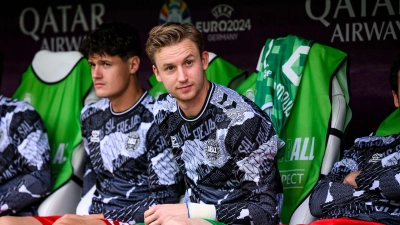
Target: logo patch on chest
375, 158
132, 141
95, 136
174, 142
212, 150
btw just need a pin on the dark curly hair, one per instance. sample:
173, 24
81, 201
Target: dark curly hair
112, 38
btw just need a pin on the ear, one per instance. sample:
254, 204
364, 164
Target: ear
134, 63
204, 60
155, 70
395, 99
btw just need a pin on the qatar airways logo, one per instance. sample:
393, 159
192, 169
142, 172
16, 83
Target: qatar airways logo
368, 20
55, 27
223, 28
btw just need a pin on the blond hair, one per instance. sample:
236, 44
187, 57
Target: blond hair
172, 33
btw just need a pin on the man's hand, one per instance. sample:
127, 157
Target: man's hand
160, 214
350, 179
72, 219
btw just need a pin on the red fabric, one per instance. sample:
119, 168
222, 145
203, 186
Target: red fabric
47, 220
343, 221
114, 222
106, 221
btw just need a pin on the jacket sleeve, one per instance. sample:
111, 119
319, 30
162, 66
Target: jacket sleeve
28, 162
384, 182
330, 192
380, 171
256, 167
89, 176
164, 179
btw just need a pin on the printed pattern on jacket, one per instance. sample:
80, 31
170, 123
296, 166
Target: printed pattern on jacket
127, 160
377, 196
227, 154
25, 176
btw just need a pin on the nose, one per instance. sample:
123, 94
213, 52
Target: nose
182, 74
96, 72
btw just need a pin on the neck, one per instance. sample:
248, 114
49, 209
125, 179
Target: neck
128, 98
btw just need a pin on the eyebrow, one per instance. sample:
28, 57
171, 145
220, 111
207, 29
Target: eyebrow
100, 61
171, 64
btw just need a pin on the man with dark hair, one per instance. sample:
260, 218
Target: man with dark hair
127, 158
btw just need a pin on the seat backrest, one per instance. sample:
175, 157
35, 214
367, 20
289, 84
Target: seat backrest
85, 202
58, 85
302, 214
317, 114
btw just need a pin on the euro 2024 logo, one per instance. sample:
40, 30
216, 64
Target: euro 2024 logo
174, 11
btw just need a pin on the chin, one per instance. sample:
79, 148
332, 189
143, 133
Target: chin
185, 97
100, 94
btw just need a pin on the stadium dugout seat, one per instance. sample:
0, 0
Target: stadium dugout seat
58, 85
85, 202
303, 86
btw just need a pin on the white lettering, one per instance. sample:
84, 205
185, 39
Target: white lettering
361, 31
373, 30
61, 43
223, 25
337, 33
222, 37
96, 17
35, 24
347, 6
79, 18
289, 179
49, 20
390, 30
387, 4
299, 150
50, 23
357, 28
324, 14
59, 156
296, 149
64, 16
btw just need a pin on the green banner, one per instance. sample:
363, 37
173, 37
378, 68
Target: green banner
304, 127
279, 75
308, 127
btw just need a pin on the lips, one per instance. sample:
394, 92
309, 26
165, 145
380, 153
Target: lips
185, 88
98, 84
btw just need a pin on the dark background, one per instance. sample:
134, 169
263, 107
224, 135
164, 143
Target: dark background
367, 30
